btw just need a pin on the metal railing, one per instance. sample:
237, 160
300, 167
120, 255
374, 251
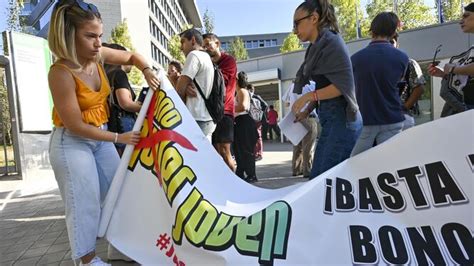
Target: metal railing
9, 165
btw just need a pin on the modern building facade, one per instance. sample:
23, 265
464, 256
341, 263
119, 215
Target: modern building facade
151, 23
258, 45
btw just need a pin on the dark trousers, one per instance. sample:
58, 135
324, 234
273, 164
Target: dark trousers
245, 138
274, 128
264, 130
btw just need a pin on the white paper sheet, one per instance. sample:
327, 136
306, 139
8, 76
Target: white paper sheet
293, 131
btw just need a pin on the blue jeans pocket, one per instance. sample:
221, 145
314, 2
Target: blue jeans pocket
355, 125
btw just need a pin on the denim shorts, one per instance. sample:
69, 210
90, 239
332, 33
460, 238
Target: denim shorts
224, 132
84, 170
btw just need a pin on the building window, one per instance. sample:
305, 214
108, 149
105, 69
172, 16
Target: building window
274, 42
261, 43
248, 44
268, 43
254, 44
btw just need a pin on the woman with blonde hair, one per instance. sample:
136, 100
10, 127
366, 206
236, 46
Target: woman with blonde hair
81, 149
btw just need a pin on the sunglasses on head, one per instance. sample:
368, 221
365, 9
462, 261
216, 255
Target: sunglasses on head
88, 7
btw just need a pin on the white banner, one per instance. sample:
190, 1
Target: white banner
407, 201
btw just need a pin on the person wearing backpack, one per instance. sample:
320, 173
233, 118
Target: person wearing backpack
245, 132
198, 70
122, 104
223, 136
262, 106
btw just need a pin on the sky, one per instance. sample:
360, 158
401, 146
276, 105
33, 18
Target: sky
239, 17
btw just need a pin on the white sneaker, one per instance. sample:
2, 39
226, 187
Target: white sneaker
115, 254
96, 261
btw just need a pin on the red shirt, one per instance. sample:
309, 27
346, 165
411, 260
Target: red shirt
228, 67
272, 117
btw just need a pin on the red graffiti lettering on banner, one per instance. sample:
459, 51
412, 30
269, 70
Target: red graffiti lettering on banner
162, 243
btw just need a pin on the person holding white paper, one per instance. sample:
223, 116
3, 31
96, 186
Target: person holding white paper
327, 62
302, 159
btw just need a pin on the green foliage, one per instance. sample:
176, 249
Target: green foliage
208, 20
120, 35
174, 46
346, 16
4, 109
373, 8
291, 43
452, 9
237, 49
13, 20
414, 14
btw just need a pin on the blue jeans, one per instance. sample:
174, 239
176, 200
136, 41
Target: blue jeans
408, 122
84, 169
127, 123
375, 133
338, 136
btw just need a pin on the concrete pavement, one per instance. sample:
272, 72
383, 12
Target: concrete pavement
32, 226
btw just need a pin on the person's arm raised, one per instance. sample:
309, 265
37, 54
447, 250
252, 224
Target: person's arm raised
119, 57
63, 91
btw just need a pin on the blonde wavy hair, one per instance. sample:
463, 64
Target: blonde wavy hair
66, 18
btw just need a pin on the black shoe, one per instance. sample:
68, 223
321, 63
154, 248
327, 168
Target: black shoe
252, 179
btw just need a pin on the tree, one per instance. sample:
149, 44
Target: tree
452, 9
14, 21
237, 49
4, 111
347, 17
208, 21
415, 14
120, 35
412, 13
373, 8
291, 43
174, 45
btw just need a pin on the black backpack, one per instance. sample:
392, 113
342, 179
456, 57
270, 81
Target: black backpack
215, 102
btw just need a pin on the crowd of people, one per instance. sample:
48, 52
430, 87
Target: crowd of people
348, 103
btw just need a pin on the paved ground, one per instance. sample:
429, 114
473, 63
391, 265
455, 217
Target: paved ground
32, 226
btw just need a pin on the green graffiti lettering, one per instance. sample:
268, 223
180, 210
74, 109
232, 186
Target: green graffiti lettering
222, 234
248, 230
183, 213
200, 223
275, 234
